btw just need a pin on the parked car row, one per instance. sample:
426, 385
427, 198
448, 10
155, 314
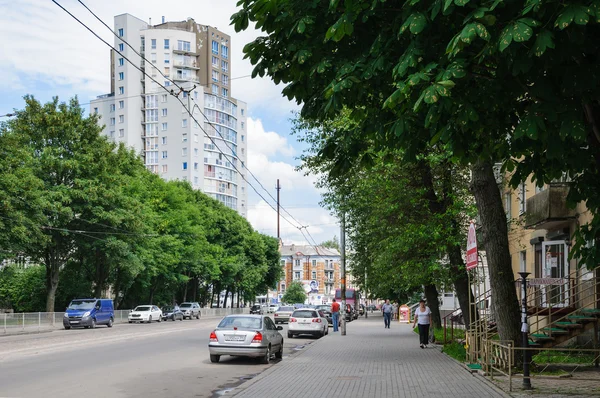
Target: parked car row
149, 313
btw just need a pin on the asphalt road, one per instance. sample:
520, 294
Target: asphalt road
168, 359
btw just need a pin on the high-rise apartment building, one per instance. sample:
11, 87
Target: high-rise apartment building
144, 112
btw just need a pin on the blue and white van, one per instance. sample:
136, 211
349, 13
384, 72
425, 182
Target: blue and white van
88, 313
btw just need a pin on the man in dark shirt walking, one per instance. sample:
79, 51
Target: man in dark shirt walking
387, 309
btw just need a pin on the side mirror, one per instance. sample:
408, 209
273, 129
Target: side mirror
279, 327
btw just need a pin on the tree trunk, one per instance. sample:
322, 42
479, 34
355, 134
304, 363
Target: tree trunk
495, 241
195, 291
52, 273
185, 288
225, 299
238, 298
461, 283
433, 302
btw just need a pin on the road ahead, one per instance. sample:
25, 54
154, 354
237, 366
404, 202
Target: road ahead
168, 359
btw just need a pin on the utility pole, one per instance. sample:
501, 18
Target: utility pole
278, 188
343, 272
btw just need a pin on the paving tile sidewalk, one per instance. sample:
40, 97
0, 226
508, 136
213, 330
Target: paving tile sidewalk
370, 361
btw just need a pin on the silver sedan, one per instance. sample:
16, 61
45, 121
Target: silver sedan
247, 336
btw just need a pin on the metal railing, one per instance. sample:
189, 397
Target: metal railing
36, 322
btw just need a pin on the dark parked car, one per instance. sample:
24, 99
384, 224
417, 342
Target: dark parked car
326, 309
256, 309
349, 313
172, 313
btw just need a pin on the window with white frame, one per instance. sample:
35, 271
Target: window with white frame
314, 275
163, 98
195, 151
225, 92
183, 45
167, 58
153, 58
112, 121
121, 133
297, 275
121, 104
164, 111
184, 123
215, 61
164, 168
164, 140
121, 47
153, 44
215, 47
121, 32
297, 262
164, 127
121, 118
224, 66
522, 198
225, 79
121, 90
215, 76
184, 165
184, 151
166, 44
314, 263
224, 51
112, 108
121, 75
215, 89
184, 137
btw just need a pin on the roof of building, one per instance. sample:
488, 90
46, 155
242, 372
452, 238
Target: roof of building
307, 250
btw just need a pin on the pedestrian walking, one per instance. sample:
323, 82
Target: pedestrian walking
423, 319
395, 311
335, 315
387, 313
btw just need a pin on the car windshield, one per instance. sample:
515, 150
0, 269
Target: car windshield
167, 309
323, 307
82, 304
305, 314
185, 305
241, 322
254, 307
142, 308
285, 309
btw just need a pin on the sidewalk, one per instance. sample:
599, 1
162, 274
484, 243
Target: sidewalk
370, 361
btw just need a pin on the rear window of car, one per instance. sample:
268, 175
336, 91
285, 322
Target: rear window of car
240, 322
286, 309
305, 314
185, 305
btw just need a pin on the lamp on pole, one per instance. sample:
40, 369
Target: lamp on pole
525, 331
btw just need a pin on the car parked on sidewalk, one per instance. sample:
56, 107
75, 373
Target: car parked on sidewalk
308, 321
326, 309
283, 314
256, 309
190, 310
245, 335
172, 312
145, 313
88, 313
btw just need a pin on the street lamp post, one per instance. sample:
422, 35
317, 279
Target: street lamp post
525, 331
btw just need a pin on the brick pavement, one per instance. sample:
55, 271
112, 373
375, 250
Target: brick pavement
370, 361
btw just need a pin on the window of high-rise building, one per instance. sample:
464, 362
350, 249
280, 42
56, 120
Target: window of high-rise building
184, 165
196, 180
224, 92
195, 165
224, 66
121, 133
121, 90
153, 58
152, 101
95, 111
164, 168
242, 112
195, 151
164, 140
121, 104
151, 115
121, 32
166, 44
164, 111
224, 51
215, 61
121, 62
163, 98
168, 72
112, 107
112, 134
164, 154
196, 138
121, 118
215, 47
167, 83
112, 121
167, 58
153, 44
121, 75
242, 125
164, 127
184, 137
183, 45
121, 47
215, 76
215, 89
225, 79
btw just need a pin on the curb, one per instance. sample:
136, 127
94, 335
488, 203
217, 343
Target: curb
242, 387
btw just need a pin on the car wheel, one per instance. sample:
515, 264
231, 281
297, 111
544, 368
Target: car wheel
279, 354
198, 316
150, 319
214, 358
181, 318
267, 358
130, 321
159, 319
67, 327
290, 335
93, 325
173, 318
110, 323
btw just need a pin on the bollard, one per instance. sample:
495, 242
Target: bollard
525, 331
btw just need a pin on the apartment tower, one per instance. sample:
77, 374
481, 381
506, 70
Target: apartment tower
145, 112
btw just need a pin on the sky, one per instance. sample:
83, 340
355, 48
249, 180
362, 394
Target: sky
46, 53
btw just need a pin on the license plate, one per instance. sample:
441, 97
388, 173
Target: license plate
74, 321
234, 338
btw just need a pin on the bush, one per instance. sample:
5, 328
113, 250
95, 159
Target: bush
456, 351
23, 288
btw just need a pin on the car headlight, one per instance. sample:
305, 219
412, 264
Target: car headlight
87, 313
66, 315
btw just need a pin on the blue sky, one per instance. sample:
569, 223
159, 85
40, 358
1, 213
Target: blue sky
46, 53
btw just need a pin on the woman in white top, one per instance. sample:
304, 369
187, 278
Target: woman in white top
423, 317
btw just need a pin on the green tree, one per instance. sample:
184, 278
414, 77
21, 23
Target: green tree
294, 293
331, 243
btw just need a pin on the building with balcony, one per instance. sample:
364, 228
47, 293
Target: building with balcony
145, 112
316, 267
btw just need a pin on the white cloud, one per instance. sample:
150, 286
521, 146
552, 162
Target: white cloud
46, 46
267, 143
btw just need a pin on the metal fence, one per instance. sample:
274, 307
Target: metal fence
32, 322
